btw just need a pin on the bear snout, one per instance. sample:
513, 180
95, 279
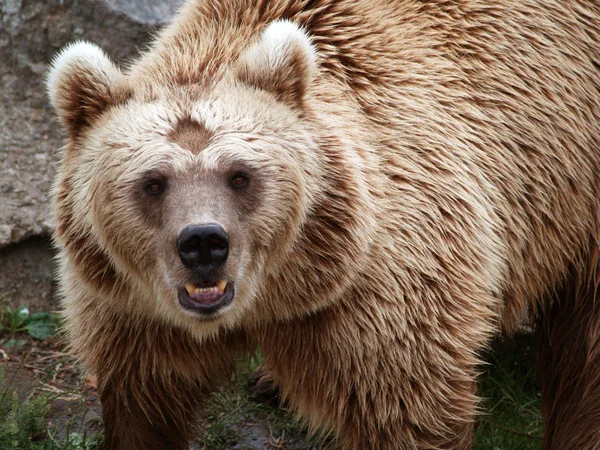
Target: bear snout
203, 247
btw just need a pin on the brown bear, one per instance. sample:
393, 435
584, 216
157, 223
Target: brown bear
364, 190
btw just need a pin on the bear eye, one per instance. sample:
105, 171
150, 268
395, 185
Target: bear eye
239, 180
155, 187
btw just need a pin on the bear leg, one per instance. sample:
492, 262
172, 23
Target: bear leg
569, 366
149, 414
151, 377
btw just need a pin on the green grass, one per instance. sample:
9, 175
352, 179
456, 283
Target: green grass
512, 400
21, 420
24, 414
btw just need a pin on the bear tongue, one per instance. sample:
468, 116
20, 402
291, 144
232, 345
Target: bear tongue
205, 297
207, 294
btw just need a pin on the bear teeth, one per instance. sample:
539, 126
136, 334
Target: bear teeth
191, 288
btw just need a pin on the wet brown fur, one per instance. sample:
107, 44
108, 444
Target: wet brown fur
443, 179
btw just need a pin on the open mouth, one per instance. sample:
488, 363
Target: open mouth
206, 298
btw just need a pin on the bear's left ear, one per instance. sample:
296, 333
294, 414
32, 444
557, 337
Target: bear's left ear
82, 83
282, 62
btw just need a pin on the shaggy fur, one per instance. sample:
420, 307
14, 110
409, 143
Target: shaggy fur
421, 173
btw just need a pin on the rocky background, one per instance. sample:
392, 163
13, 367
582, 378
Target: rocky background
31, 33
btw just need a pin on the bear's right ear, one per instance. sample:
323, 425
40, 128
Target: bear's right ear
82, 83
282, 62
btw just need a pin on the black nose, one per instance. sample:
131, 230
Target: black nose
203, 246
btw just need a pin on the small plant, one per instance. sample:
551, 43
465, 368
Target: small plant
39, 325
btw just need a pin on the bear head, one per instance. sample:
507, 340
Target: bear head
188, 196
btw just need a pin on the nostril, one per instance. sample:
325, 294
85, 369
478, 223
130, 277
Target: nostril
203, 246
190, 245
217, 242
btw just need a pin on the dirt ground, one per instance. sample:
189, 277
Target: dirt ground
43, 367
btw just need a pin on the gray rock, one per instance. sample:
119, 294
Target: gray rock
27, 274
151, 12
31, 33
